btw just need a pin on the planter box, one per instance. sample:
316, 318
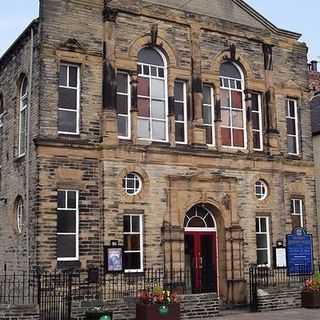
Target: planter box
310, 300
158, 311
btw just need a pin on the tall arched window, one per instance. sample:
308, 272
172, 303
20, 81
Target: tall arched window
23, 116
152, 95
1, 110
233, 127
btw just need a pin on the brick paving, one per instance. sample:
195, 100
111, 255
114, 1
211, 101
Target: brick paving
294, 314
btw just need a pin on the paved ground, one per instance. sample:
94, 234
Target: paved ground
294, 314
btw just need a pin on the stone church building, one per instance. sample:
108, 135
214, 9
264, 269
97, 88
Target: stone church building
179, 129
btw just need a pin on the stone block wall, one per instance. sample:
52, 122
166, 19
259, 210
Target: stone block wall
12, 312
204, 306
279, 299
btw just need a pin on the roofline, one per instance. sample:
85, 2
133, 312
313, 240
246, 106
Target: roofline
22, 36
266, 22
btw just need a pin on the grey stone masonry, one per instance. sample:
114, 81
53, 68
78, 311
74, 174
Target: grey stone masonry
12, 312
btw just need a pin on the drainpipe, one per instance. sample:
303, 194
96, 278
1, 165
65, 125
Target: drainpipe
27, 176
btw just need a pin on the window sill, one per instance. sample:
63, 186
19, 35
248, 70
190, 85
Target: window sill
67, 265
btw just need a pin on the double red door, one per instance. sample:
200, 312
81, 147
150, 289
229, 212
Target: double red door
201, 260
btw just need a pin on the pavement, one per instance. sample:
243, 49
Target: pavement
292, 314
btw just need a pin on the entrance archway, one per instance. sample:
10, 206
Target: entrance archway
200, 234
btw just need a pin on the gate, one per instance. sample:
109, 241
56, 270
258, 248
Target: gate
253, 289
54, 296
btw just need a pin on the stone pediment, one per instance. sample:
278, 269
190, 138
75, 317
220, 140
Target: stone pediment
237, 11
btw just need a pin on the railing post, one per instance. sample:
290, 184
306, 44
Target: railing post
253, 289
39, 288
69, 294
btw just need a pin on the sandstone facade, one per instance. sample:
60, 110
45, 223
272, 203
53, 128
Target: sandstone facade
103, 39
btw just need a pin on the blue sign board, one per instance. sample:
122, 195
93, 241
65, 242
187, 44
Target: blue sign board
299, 252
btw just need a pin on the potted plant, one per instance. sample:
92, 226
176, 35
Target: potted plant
311, 293
157, 305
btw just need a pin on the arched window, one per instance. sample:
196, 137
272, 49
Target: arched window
233, 127
19, 212
199, 217
152, 95
1, 110
23, 117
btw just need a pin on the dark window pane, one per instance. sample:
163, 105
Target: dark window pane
131, 242
292, 145
122, 126
67, 98
255, 120
72, 200
296, 221
178, 91
209, 138
66, 246
122, 104
238, 138
150, 56
292, 109
196, 222
63, 76
209, 221
255, 102
207, 115
179, 111
257, 225
66, 221
154, 71
126, 224
180, 132
262, 241
207, 95
143, 87
161, 72
226, 136
61, 199
263, 223
229, 70
67, 121
136, 220
122, 82
143, 107
139, 69
262, 257
256, 140
291, 126
73, 77
146, 70
132, 261
236, 99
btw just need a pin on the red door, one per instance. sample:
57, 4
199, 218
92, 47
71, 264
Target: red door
201, 255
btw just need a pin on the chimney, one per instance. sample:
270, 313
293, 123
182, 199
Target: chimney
314, 66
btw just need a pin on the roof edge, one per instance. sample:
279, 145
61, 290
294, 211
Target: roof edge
23, 35
250, 10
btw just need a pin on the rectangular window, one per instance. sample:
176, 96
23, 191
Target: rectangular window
208, 113
152, 103
263, 241
180, 109
68, 225
257, 128
292, 126
133, 243
296, 208
123, 105
23, 125
69, 99
233, 133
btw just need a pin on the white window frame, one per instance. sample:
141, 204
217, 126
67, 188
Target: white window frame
128, 116
78, 88
23, 108
295, 118
141, 242
259, 112
295, 212
76, 234
212, 106
150, 77
266, 188
136, 178
267, 232
230, 89
185, 113
19, 214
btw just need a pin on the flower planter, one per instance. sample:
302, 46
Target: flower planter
158, 311
310, 299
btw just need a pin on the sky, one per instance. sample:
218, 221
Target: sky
293, 15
